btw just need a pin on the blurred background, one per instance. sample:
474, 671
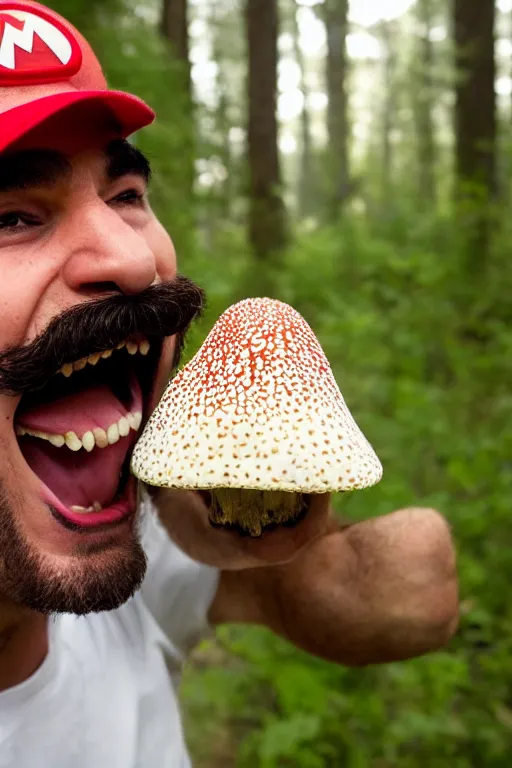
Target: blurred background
353, 159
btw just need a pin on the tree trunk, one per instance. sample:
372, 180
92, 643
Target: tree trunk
389, 103
306, 182
222, 119
424, 107
335, 17
475, 108
175, 29
267, 218
226, 192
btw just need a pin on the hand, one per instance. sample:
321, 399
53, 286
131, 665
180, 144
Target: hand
185, 515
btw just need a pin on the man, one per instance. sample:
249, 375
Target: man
99, 596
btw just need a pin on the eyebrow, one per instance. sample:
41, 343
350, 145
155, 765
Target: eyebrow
46, 168
32, 168
123, 159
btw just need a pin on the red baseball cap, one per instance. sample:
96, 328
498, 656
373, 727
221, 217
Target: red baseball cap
47, 67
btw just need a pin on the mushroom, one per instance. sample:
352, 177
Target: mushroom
256, 421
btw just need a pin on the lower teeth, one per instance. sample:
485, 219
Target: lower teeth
96, 507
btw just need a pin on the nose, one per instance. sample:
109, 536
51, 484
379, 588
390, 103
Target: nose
107, 253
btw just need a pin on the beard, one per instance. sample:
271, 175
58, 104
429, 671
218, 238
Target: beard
95, 578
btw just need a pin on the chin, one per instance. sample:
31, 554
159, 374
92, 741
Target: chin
69, 528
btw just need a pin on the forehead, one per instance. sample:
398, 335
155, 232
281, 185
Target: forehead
46, 167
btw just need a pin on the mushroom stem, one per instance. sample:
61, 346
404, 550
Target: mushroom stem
251, 511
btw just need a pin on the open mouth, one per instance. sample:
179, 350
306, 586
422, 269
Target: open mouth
77, 432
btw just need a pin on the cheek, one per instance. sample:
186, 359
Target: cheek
165, 255
164, 373
162, 247
25, 280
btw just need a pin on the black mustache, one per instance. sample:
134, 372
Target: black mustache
159, 311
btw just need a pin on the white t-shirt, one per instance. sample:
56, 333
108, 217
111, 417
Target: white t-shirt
106, 694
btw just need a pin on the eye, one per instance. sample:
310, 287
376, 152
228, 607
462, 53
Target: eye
16, 220
129, 197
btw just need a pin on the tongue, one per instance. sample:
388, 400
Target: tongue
81, 478
79, 412
78, 479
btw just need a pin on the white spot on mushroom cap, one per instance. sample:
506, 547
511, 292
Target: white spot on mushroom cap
257, 407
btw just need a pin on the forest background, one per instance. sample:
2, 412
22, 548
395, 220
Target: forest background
354, 160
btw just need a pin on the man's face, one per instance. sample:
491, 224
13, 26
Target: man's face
79, 250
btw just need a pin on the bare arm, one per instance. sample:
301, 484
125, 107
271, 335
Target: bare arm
379, 591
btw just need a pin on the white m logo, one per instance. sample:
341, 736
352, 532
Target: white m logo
24, 39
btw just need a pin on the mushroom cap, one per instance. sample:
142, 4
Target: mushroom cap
257, 407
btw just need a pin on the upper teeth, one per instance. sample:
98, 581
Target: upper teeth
97, 437
132, 347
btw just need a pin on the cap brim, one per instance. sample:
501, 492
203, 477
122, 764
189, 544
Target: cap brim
131, 113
